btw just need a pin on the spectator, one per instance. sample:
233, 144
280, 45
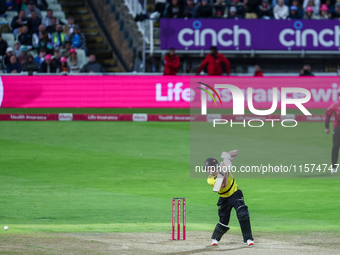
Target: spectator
309, 14
159, 8
31, 7
190, 10
52, 28
3, 6
25, 38
13, 66
330, 6
240, 11
286, 2
220, 9
324, 14
9, 53
47, 20
68, 29
45, 42
313, 3
64, 68
66, 52
174, 10
258, 72
30, 66
265, 11
306, 71
41, 57
78, 39
232, 13
73, 62
34, 23
3, 46
59, 37
293, 13
92, 66
47, 66
56, 59
336, 13
16, 50
171, 63
42, 5
204, 10
36, 36
18, 21
23, 56
299, 7
216, 63
281, 10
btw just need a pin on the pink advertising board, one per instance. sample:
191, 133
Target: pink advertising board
150, 91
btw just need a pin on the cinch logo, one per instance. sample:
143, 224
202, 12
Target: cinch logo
239, 99
225, 37
298, 37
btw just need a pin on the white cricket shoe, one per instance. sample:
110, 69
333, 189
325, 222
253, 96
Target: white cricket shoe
334, 171
214, 242
250, 242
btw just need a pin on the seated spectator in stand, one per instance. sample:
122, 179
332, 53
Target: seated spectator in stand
240, 11
171, 63
204, 10
3, 46
312, 3
47, 66
190, 9
300, 10
47, 20
25, 38
78, 39
23, 57
293, 13
13, 66
274, 3
18, 21
36, 36
52, 28
64, 68
306, 71
66, 52
330, 6
34, 23
220, 9
68, 29
9, 53
258, 72
41, 57
309, 14
215, 63
59, 37
324, 14
265, 11
30, 66
31, 7
281, 10
232, 13
174, 10
336, 13
92, 66
73, 62
45, 42
56, 59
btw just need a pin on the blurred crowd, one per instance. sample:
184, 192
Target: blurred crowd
43, 44
249, 9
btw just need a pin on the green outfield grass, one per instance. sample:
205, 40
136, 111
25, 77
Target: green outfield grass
121, 177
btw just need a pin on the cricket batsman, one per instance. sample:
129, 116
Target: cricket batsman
230, 197
334, 109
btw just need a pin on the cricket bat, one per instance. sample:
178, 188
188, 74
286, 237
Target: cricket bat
221, 175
